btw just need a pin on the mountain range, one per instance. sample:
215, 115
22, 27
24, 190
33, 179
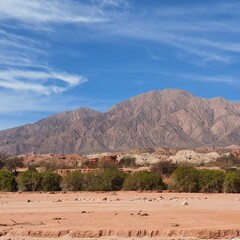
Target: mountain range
168, 118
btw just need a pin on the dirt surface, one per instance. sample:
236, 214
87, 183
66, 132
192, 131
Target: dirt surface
117, 215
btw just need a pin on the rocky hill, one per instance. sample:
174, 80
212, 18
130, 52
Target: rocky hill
170, 118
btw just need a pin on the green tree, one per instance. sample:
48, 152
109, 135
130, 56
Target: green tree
225, 162
72, 182
113, 179
29, 181
7, 181
185, 179
165, 168
143, 180
50, 181
127, 161
106, 163
3, 157
232, 182
108, 180
12, 163
92, 181
211, 180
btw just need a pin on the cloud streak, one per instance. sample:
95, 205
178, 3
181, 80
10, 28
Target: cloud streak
45, 11
39, 81
211, 79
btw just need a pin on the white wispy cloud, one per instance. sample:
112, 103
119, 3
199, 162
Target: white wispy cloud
44, 11
194, 29
112, 3
213, 79
21, 53
160, 25
152, 55
39, 81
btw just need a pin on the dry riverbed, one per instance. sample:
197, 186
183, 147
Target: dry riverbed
119, 215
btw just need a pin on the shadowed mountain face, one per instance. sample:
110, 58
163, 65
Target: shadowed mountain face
171, 118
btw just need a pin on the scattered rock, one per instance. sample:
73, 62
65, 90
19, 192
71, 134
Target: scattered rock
144, 215
58, 218
184, 203
175, 225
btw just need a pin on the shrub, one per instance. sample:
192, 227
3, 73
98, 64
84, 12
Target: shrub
13, 163
50, 181
7, 181
106, 163
1, 164
143, 180
185, 179
225, 162
32, 168
232, 182
108, 180
3, 155
48, 164
211, 180
165, 168
113, 180
92, 181
72, 182
127, 162
29, 181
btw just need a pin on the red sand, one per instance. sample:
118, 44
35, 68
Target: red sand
120, 215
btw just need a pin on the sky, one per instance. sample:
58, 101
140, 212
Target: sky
58, 55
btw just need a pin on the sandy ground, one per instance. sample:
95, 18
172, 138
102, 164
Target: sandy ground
119, 215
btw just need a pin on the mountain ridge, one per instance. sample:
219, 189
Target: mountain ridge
169, 118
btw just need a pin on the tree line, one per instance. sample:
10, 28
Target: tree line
183, 178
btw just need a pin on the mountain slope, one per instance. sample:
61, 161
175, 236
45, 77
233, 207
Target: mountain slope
172, 118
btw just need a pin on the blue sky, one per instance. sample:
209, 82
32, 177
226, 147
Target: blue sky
58, 55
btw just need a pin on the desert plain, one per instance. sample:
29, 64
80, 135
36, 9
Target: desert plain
119, 215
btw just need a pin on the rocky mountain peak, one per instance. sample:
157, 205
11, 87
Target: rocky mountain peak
169, 118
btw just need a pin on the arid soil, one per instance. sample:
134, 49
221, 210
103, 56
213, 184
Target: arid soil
117, 215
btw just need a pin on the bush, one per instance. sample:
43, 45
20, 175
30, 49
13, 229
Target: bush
127, 162
9, 162
13, 163
3, 157
72, 182
92, 181
113, 180
7, 181
211, 180
108, 180
106, 163
143, 180
232, 182
50, 181
29, 181
225, 162
165, 168
185, 179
